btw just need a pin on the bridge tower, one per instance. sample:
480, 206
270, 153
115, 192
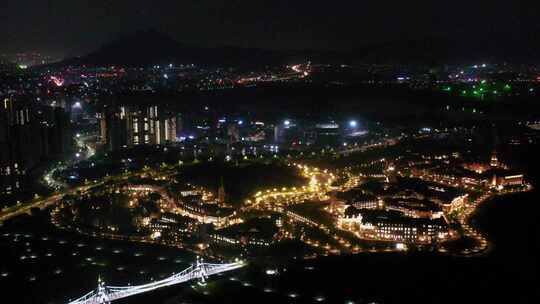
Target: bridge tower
101, 293
200, 271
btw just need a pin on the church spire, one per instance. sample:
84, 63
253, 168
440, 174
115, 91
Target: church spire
494, 161
221, 192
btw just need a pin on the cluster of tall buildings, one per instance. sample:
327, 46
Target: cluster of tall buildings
131, 125
29, 134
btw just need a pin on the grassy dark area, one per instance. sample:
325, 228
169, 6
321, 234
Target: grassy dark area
313, 211
243, 180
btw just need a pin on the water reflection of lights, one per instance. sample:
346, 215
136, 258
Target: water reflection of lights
82, 254
271, 271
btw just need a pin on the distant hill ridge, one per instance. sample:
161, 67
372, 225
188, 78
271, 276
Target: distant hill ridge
148, 47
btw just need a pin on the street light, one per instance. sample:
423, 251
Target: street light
353, 123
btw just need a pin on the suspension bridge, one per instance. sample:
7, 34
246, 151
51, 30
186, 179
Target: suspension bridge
104, 294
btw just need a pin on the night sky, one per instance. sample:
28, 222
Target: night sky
70, 27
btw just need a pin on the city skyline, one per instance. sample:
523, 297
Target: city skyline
300, 152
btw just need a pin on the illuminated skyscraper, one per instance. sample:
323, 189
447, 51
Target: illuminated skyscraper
136, 125
29, 134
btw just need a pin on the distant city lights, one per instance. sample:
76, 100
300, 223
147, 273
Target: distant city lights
58, 81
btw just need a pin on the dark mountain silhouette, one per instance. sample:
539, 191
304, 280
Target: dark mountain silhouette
150, 47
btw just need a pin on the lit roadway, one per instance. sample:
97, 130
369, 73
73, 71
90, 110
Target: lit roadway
41, 203
20, 209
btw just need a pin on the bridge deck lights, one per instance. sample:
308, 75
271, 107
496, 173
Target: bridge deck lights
105, 294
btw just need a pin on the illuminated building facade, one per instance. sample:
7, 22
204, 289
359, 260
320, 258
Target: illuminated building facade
415, 208
136, 125
507, 180
393, 226
456, 203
